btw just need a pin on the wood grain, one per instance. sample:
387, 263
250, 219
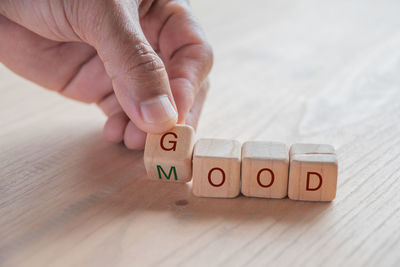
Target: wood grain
291, 71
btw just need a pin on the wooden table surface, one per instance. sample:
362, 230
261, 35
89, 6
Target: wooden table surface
291, 71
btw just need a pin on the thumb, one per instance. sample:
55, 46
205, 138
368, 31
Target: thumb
139, 77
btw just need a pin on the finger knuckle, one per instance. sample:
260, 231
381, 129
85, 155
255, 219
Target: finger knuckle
177, 6
144, 59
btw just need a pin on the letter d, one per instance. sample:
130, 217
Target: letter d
308, 188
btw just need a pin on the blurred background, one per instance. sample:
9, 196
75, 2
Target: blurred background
315, 65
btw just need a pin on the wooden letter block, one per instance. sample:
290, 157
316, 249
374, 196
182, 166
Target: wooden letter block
265, 168
313, 172
216, 168
168, 156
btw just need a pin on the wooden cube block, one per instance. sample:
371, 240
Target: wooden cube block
168, 156
265, 169
216, 168
311, 149
313, 172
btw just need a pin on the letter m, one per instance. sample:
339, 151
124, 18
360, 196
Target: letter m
160, 171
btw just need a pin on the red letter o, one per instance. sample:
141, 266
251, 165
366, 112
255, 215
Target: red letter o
259, 177
223, 177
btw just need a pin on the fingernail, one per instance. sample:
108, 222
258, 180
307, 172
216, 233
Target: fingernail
158, 109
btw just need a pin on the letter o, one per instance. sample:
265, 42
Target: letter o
223, 177
259, 177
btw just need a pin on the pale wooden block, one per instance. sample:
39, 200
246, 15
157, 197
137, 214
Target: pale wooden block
313, 172
311, 149
168, 156
216, 168
265, 169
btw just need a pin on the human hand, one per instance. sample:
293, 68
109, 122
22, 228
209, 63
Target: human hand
141, 61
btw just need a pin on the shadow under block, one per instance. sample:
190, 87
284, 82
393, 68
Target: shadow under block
216, 168
265, 169
313, 172
168, 156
